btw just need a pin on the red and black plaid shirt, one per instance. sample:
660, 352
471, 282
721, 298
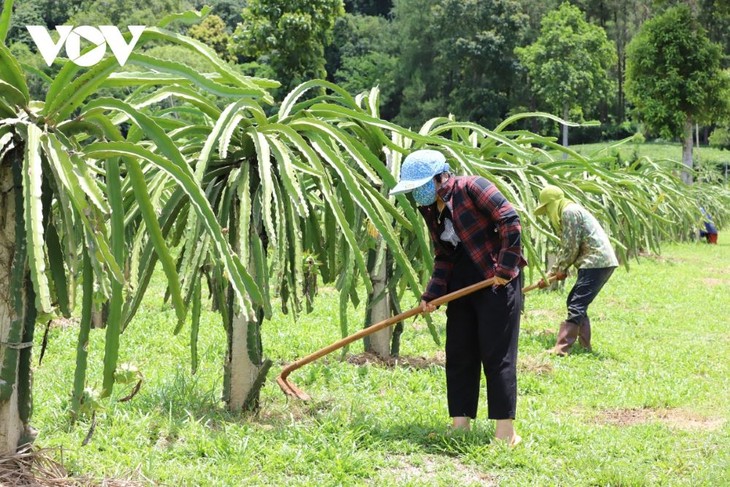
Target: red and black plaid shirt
485, 222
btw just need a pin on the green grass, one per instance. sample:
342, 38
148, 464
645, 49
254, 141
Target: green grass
650, 405
657, 151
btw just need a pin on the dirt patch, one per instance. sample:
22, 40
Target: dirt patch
543, 315
362, 359
659, 258
673, 417
63, 323
534, 365
274, 414
545, 332
432, 470
711, 281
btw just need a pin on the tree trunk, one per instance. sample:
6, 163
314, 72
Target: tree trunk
245, 368
620, 64
378, 308
245, 371
16, 309
381, 302
697, 134
687, 151
566, 113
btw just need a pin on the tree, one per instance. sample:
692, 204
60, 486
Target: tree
212, 32
379, 8
569, 64
621, 19
77, 206
457, 57
228, 10
289, 35
38, 12
363, 55
674, 78
713, 16
122, 14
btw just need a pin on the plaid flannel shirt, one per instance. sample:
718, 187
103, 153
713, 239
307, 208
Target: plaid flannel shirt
487, 225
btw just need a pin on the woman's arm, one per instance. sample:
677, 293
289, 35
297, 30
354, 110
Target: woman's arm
437, 285
488, 199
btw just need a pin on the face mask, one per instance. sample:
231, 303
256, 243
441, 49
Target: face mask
425, 195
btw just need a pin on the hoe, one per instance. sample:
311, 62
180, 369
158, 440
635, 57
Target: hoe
292, 390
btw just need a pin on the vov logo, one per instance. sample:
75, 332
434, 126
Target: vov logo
102, 36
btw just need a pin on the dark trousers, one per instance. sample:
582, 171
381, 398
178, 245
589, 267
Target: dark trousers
585, 290
481, 333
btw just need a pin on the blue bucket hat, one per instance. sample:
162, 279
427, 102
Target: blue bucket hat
419, 168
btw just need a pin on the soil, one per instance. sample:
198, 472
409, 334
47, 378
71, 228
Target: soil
62, 322
362, 359
682, 419
534, 365
430, 469
711, 281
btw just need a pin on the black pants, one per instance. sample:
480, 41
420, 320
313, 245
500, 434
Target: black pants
585, 290
481, 332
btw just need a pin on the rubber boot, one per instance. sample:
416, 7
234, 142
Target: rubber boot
566, 338
584, 334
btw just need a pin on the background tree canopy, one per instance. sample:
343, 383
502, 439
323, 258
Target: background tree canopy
568, 64
436, 57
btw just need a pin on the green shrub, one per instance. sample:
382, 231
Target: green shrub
720, 138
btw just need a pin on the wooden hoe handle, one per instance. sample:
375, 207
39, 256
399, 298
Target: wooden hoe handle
292, 390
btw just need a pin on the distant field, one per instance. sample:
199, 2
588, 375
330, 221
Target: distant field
656, 151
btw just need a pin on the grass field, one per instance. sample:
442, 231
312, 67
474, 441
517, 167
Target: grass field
657, 151
649, 406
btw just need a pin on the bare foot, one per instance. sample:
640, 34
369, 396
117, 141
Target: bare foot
510, 441
460, 423
505, 431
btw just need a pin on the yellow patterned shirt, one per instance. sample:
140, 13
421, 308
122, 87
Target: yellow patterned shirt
583, 242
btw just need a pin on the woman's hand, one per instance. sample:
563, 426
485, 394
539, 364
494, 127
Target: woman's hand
427, 307
500, 281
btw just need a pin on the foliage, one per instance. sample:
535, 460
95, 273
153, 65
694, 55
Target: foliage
720, 137
414, 85
38, 72
24, 13
177, 54
228, 10
379, 8
569, 63
212, 32
674, 74
363, 55
124, 13
714, 15
456, 57
87, 198
290, 35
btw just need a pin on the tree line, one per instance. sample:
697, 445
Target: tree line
479, 60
